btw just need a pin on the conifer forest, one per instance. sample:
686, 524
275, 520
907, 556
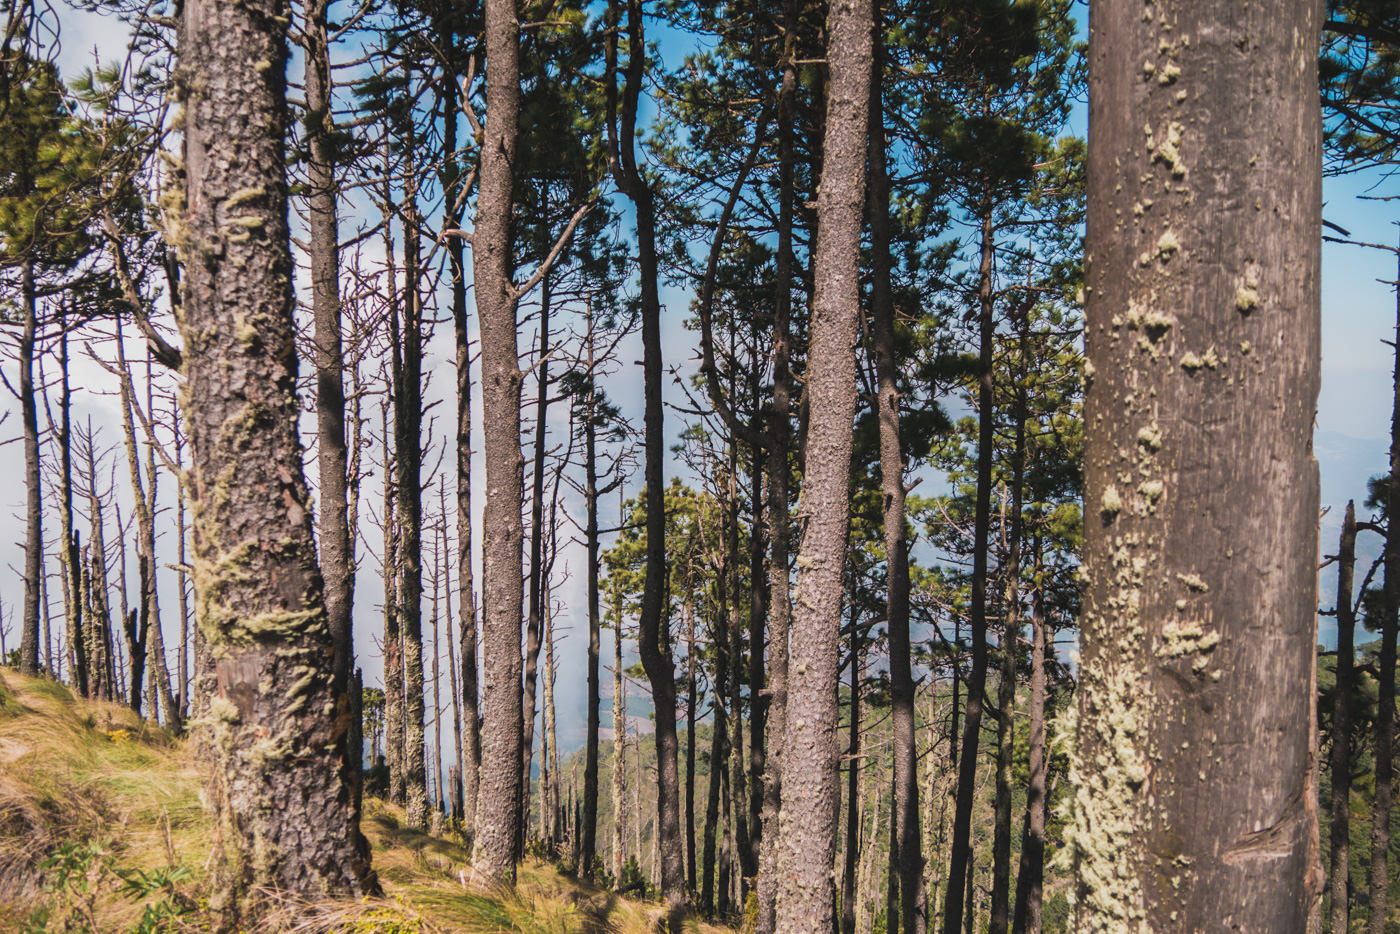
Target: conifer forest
721, 466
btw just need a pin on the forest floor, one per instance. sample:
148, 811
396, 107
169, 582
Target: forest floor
102, 829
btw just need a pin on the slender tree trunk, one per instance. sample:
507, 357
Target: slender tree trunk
908, 854
408, 451
535, 606
1379, 882
961, 849
655, 657
281, 786
807, 819
853, 815
549, 794
436, 801
588, 832
336, 552
498, 807
87, 673
470, 747
182, 561
1027, 916
1006, 683
1341, 727
456, 788
393, 635
34, 502
619, 719
1198, 631
768, 764
692, 700
719, 732
144, 505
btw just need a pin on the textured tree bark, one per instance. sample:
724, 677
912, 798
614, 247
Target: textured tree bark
408, 459
469, 749
655, 657
280, 783
961, 848
692, 700
34, 505
807, 819
1341, 726
1006, 683
619, 719
534, 619
588, 831
1202, 334
337, 554
767, 758
852, 846
144, 505
498, 804
87, 678
1379, 880
908, 855
1027, 916
393, 635
719, 733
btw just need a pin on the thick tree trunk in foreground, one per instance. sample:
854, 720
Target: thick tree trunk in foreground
498, 804
1193, 749
807, 819
280, 783
1341, 726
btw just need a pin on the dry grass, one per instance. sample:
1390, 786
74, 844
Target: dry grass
75, 770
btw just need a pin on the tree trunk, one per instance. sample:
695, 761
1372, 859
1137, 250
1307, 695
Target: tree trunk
719, 732
807, 819
961, 850
655, 657
336, 551
1341, 727
408, 459
534, 619
619, 719
34, 502
1199, 625
907, 856
281, 786
767, 766
86, 676
1006, 683
853, 815
1027, 917
144, 505
1379, 881
588, 832
470, 748
692, 700
393, 635
498, 807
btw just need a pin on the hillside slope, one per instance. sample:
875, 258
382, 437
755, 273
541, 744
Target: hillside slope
102, 829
